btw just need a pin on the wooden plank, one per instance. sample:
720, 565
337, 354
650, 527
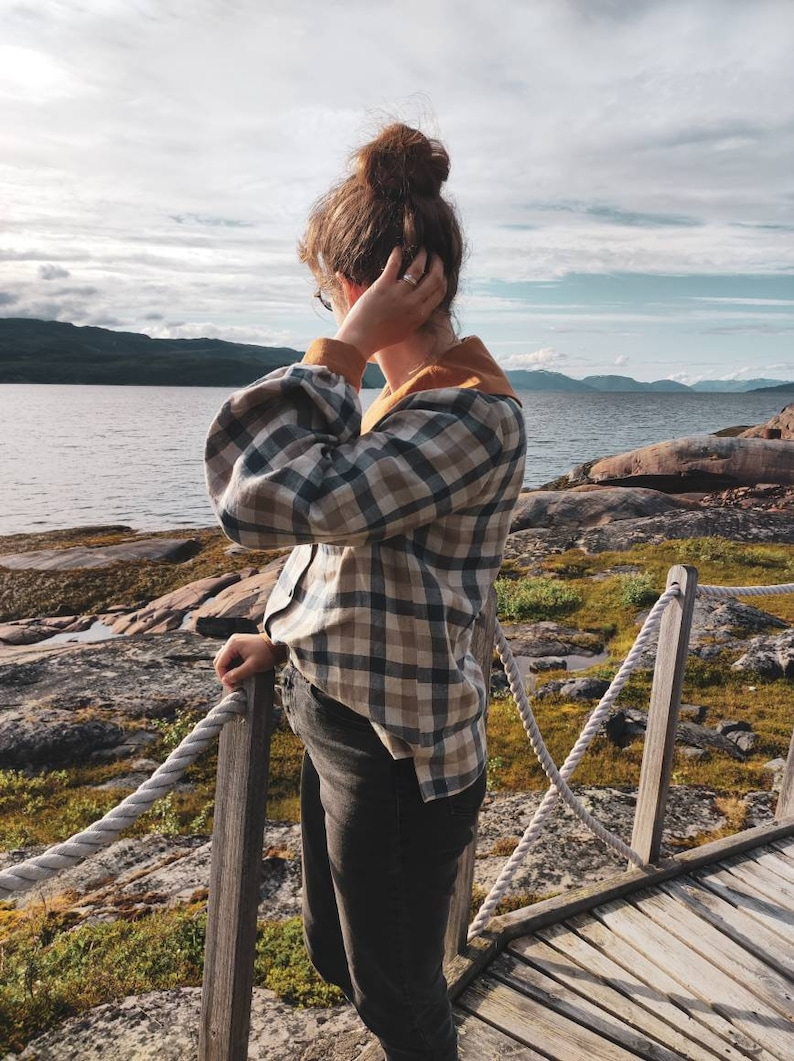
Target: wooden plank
235, 875
460, 905
550, 911
668, 678
567, 982
785, 801
714, 986
768, 985
478, 1041
693, 1040
745, 898
466, 966
784, 848
533, 1024
774, 862
745, 930
763, 880
713, 1026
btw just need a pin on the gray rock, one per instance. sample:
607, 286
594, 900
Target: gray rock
771, 657
589, 507
693, 712
544, 663
575, 688
697, 754
135, 677
164, 1026
728, 726
173, 550
52, 737
743, 740
696, 736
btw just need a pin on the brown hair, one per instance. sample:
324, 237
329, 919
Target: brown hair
392, 197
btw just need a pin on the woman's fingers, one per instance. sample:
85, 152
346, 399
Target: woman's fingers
416, 268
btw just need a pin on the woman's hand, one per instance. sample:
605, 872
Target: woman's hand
244, 655
391, 309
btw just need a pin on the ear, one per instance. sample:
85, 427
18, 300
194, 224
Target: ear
351, 291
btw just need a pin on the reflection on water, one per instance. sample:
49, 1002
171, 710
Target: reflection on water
72, 456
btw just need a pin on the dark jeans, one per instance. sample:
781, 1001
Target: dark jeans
379, 866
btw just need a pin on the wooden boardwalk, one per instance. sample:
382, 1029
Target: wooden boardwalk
698, 966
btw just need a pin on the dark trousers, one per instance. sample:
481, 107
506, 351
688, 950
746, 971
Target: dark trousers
379, 867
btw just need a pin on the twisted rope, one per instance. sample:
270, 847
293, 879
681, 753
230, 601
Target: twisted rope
555, 790
746, 591
24, 875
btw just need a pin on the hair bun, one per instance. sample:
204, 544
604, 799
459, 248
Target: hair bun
401, 163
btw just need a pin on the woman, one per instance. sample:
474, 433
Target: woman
398, 524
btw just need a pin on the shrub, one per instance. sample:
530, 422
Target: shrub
535, 598
637, 591
283, 965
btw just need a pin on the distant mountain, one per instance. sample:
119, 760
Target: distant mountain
33, 351
625, 384
738, 386
542, 380
781, 388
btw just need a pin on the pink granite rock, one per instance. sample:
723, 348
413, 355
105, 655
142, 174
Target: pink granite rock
245, 599
167, 612
172, 550
705, 462
782, 422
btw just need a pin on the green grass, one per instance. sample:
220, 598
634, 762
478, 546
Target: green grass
52, 968
535, 599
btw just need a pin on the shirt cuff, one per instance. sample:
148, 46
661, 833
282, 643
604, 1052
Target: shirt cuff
342, 358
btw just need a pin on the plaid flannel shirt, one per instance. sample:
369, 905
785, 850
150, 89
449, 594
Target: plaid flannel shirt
398, 534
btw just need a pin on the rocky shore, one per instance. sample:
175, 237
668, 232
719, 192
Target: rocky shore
92, 693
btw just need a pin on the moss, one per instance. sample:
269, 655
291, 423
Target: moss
131, 583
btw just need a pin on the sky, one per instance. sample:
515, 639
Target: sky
624, 169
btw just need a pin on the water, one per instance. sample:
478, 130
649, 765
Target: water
72, 455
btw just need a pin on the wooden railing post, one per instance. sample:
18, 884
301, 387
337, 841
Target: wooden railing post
237, 836
460, 907
668, 678
785, 801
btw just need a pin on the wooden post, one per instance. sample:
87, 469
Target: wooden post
460, 907
785, 801
235, 876
668, 678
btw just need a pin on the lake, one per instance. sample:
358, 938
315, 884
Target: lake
74, 455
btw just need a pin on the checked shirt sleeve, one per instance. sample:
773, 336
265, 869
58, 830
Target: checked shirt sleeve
287, 464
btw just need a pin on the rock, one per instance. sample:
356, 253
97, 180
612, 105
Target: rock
31, 631
728, 726
52, 737
699, 462
164, 1026
771, 657
167, 612
624, 724
584, 508
172, 550
719, 624
695, 736
130, 745
574, 689
245, 599
775, 767
696, 754
548, 638
735, 524
157, 872
782, 422
128, 678
545, 663
744, 741
692, 712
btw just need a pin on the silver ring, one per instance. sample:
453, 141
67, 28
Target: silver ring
409, 279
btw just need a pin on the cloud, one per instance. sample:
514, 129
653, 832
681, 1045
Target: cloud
53, 272
621, 359
546, 357
7, 299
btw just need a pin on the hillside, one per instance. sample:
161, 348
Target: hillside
33, 351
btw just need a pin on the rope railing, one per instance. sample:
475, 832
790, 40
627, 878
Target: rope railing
559, 778
61, 856
558, 787
746, 591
